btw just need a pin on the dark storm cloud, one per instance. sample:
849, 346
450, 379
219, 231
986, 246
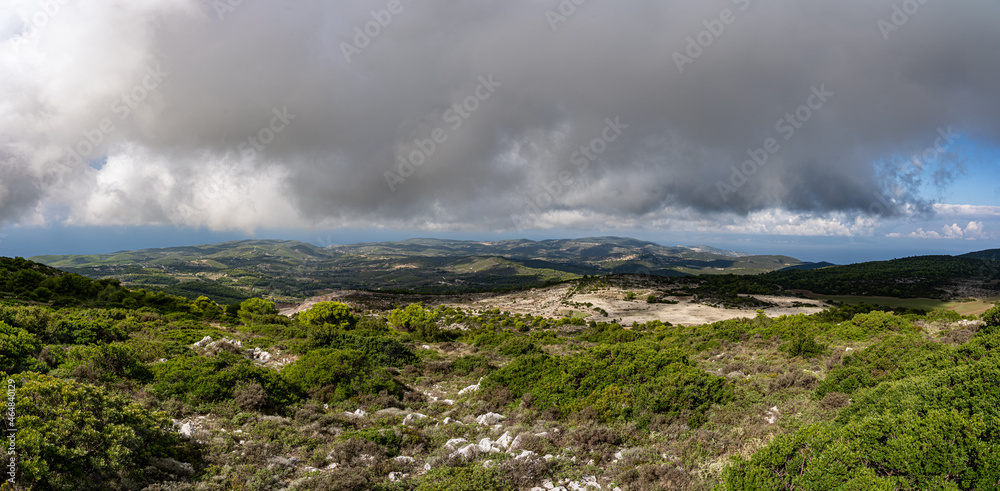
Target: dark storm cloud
362, 103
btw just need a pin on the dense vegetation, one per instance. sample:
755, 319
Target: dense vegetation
924, 276
125, 389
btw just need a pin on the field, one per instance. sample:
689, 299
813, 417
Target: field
966, 307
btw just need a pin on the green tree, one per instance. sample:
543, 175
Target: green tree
256, 310
992, 319
206, 308
412, 317
329, 313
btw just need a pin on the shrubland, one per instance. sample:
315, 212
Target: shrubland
165, 393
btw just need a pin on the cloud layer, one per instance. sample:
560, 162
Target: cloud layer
489, 115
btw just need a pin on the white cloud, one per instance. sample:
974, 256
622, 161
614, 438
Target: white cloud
967, 210
972, 231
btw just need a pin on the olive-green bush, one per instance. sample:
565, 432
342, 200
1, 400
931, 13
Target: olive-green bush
76, 436
208, 380
619, 382
335, 375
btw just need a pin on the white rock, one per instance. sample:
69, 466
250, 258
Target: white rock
489, 419
471, 388
426, 346
397, 476
413, 416
427, 466
204, 342
488, 446
505, 440
360, 413
525, 454
186, 430
467, 452
404, 459
455, 442
548, 457
515, 444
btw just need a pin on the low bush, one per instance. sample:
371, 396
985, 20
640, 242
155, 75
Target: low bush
517, 346
105, 364
333, 375
18, 349
209, 380
615, 382
75, 436
890, 359
472, 478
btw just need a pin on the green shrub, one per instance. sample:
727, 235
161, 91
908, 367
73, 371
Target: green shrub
517, 346
18, 349
938, 428
621, 382
335, 375
334, 314
465, 365
944, 315
413, 316
105, 364
864, 326
610, 334
992, 319
256, 310
378, 350
472, 478
892, 358
803, 345
207, 380
74, 436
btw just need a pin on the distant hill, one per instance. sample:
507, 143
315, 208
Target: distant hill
991, 254
231, 271
808, 266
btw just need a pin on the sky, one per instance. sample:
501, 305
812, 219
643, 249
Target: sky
841, 130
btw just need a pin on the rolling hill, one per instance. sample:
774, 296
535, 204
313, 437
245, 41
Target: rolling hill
232, 271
